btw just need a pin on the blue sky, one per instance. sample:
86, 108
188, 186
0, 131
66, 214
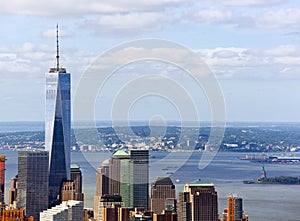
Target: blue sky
252, 46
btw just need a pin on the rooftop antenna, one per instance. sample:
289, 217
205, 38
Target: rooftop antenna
57, 49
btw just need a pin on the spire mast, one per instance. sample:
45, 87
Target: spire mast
57, 49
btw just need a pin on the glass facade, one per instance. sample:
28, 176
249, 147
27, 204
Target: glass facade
140, 177
2, 177
33, 182
126, 187
58, 129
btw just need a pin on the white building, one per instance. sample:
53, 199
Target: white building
71, 210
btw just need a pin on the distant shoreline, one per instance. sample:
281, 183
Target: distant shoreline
281, 180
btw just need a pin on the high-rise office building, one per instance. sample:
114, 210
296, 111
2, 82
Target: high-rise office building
184, 207
58, 127
76, 177
108, 208
204, 201
121, 177
2, 177
13, 192
140, 177
102, 185
33, 182
102, 179
162, 189
126, 182
115, 171
126, 175
234, 212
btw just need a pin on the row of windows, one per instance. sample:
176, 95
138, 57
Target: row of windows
51, 94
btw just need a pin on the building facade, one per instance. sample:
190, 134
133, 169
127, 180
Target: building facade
71, 210
184, 207
15, 215
102, 185
140, 178
203, 201
58, 128
102, 179
76, 177
115, 171
108, 208
234, 212
126, 175
13, 192
68, 191
32, 192
162, 189
2, 177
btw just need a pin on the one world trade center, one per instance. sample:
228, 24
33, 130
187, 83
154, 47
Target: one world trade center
58, 127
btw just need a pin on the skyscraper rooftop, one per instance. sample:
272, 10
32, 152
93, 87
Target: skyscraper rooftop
163, 181
120, 153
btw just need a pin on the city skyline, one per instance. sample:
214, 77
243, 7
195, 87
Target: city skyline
255, 67
255, 59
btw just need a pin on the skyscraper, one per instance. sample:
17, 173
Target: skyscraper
76, 177
102, 179
126, 182
102, 185
58, 127
204, 201
115, 171
2, 178
33, 182
162, 189
126, 175
13, 191
234, 212
184, 206
140, 177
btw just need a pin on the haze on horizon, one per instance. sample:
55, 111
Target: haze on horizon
251, 46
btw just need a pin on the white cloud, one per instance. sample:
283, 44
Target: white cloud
84, 7
129, 23
27, 46
249, 2
276, 17
210, 15
283, 50
282, 62
284, 18
57, 7
31, 61
51, 33
225, 54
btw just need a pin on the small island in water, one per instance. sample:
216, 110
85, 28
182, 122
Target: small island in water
263, 179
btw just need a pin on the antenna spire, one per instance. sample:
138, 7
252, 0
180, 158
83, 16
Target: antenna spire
57, 49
